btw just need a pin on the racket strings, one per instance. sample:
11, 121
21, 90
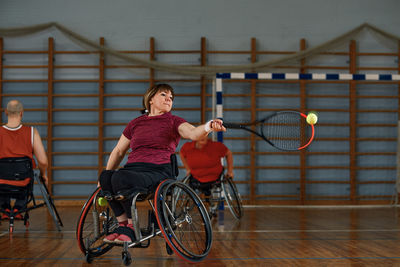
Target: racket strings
285, 130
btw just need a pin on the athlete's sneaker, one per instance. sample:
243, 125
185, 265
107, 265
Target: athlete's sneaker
111, 238
124, 238
5, 216
17, 216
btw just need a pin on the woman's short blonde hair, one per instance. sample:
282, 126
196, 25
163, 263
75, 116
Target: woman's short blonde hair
152, 91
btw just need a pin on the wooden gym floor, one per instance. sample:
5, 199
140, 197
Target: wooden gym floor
265, 236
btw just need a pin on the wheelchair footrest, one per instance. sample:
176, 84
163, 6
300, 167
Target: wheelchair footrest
144, 244
146, 231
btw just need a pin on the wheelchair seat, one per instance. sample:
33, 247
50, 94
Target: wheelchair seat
16, 175
16, 181
142, 193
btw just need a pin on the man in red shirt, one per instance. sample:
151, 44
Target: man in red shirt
202, 159
17, 140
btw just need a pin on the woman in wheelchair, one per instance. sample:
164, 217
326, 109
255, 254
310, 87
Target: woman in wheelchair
152, 138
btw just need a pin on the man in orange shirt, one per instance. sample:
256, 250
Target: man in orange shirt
202, 159
17, 140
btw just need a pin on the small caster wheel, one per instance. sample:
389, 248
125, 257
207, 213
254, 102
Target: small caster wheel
126, 258
88, 258
169, 249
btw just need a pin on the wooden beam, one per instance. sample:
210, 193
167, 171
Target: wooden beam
353, 127
101, 109
50, 87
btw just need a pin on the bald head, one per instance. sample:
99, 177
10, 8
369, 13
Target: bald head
14, 108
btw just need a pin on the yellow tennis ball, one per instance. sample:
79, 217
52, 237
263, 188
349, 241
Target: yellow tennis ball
312, 118
102, 201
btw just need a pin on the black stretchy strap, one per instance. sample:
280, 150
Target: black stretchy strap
124, 230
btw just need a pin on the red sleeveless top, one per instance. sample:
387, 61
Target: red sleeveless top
16, 142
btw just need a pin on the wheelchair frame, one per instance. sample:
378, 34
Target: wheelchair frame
48, 201
222, 189
175, 209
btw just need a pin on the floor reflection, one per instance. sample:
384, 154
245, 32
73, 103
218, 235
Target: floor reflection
266, 236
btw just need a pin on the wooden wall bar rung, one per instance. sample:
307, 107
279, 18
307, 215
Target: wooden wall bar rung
328, 182
76, 52
24, 52
76, 67
25, 81
119, 66
134, 52
75, 124
25, 67
21, 95
126, 80
76, 81
377, 182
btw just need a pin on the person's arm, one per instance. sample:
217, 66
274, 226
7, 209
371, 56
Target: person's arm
229, 163
184, 162
188, 131
118, 153
40, 155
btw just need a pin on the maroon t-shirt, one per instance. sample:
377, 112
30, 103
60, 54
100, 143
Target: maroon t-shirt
153, 138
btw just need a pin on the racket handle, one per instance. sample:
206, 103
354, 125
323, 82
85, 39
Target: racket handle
232, 125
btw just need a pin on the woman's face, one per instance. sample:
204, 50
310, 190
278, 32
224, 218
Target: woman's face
201, 142
161, 102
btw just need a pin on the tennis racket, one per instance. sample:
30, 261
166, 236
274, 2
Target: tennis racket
284, 130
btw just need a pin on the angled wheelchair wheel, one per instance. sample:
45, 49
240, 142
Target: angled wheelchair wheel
49, 202
183, 220
232, 197
95, 222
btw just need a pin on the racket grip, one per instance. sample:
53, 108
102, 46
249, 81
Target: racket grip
232, 125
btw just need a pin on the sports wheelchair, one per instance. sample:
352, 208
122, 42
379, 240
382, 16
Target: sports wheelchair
216, 192
16, 181
176, 213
